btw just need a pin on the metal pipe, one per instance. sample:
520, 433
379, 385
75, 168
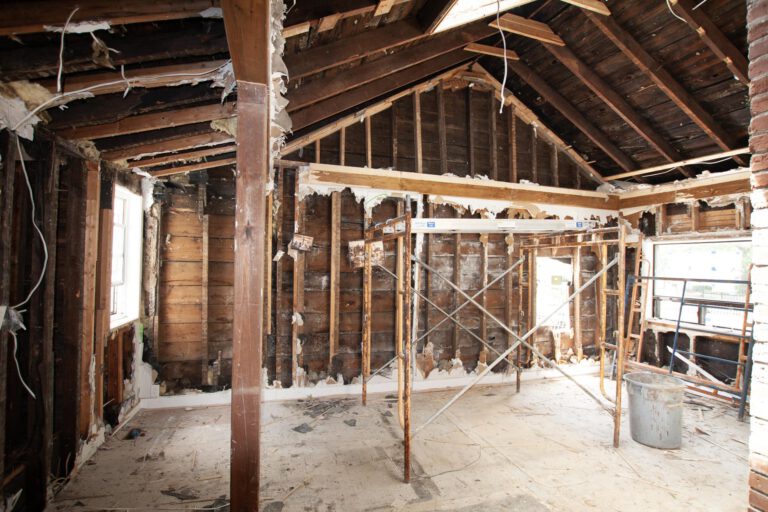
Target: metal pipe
677, 327
496, 280
518, 341
695, 280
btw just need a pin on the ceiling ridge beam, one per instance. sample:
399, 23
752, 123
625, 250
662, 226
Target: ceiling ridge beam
664, 80
154, 121
714, 38
322, 89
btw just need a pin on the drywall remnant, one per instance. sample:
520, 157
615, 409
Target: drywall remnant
227, 125
212, 12
79, 27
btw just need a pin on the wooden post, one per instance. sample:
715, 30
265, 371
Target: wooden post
267, 266
620, 345
470, 134
455, 294
512, 145
492, 137
441, 131
201, 197
393, 128
366, 345
298, 286
483, 283
577, 302
555, 167
247, 24
335, 278
368, 148
408, 360
342, 145
534, 156
509, 290
103, 287
88, 310
279, 236
417, 132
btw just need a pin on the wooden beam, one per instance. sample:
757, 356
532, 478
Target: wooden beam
179, 143
202, 198
321, 89
433, 13
414, 183
342, 102
557, 100
441, 130
328, 23
674, 90
591, 5
528, 28
383, 7
248, 34
470, 135
111, 82
615, 101
714, 38
333, 314
492, 140
418, 150
352, 48
368, 143
184, 157
154, 121
493, 51
297, 328
20, 17
90, 258
715, 185
512, 139
193, 167
689, 161
528, 116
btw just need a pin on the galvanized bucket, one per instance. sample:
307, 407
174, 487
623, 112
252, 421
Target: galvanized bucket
655, 409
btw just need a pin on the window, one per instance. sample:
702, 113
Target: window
126, 257
553, 281
711, 304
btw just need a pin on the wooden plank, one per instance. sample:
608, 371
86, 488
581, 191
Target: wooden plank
21, 17
555, 166
319, 90
577, 340
335, 277
674, 90
111, 82
615, 101
298, 287
714, 38
534, 156
153, 121
470, 133
493, 51
88, 311
393, 132
570, 112
433, 13
528, 28
417, 143
268, 267
184, 157
342, 145
328, 23
204, 281
456, 186
383, 7
512, 142
441, 130
167, 145
368, 145
212, 164
688, 161
351, 99
492, 140
591, 5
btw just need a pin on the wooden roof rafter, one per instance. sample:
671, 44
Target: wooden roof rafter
202, 166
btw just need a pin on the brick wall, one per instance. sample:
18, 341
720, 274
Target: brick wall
757, 24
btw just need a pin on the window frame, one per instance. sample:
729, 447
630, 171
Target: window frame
125, 296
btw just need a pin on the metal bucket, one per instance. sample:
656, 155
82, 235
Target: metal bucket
655, 409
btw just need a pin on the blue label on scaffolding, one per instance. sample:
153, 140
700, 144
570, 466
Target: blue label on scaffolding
430, 224
579, 224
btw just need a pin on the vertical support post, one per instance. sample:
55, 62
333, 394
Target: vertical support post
201, 198
399, 345
393, 130
695, 209
103, 287
555, 167
248, 27
298, 286
417, 132
534, 155
317, 151
428, 278
88, 312
577, 341
279, 278
620, 345
492, 137
456, 277
512, 121
408, 349
333, 335
367, 282
342, 145
484, 283
368, 148
267, 266
532, 258
441, 131
509, 286
470, 134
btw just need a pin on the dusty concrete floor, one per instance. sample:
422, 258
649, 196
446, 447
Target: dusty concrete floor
547, 448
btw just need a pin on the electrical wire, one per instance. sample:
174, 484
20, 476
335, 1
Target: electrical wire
37, 228
18, 367
504, 44
669, 6
61, 49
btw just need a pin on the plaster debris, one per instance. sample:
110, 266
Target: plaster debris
297, 319
227, 125
212, 12
79, 27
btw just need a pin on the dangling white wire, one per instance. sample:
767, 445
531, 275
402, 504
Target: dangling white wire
18, 367
504, 43
61, 50
39, 232
673, 12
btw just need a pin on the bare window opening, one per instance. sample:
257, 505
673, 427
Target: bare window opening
553, 284
126, 257
711, 304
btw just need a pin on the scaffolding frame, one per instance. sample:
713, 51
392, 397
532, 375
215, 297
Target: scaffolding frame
399, 228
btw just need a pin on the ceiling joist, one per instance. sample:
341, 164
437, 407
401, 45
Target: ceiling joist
184, 157
168, 145
194, 167
493, 51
